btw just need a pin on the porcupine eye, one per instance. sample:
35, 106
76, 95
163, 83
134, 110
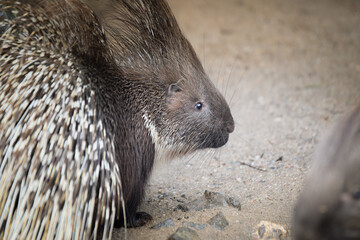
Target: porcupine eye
198, 106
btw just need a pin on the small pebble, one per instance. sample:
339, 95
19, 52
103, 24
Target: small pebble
182, 207
234, 202
209, 200
270, 231
218, 221
196, 205
215, 198
183, 233
167, 223
194, 225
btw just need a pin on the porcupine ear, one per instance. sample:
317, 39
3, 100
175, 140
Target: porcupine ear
173, 89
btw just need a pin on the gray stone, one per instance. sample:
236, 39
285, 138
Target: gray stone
194, 225
215, 199
233, 202
183, 207
167, 223
184, 233
196, 205
270, 231
218, 221
209, 200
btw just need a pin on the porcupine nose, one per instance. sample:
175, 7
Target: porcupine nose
230, 125
229, 121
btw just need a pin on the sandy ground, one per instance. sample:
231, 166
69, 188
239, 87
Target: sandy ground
289, 70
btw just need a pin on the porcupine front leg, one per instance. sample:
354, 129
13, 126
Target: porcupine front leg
135, 156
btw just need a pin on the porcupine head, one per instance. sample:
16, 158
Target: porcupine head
182, 109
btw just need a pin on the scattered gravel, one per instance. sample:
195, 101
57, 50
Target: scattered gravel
210, 200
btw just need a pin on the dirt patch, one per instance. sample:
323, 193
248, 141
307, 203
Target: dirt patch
289, 70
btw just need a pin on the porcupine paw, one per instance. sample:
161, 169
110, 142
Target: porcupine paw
140, 219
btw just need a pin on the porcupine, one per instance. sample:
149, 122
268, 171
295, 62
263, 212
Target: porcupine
84, 112
329, 205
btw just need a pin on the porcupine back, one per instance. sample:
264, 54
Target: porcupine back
55, 152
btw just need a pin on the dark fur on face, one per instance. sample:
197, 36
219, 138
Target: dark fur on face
148, 43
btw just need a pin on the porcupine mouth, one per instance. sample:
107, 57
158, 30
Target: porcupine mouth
216, 141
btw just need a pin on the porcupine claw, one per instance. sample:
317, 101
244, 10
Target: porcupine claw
140, 219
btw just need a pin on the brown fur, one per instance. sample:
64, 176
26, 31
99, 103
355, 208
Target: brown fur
121, 87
